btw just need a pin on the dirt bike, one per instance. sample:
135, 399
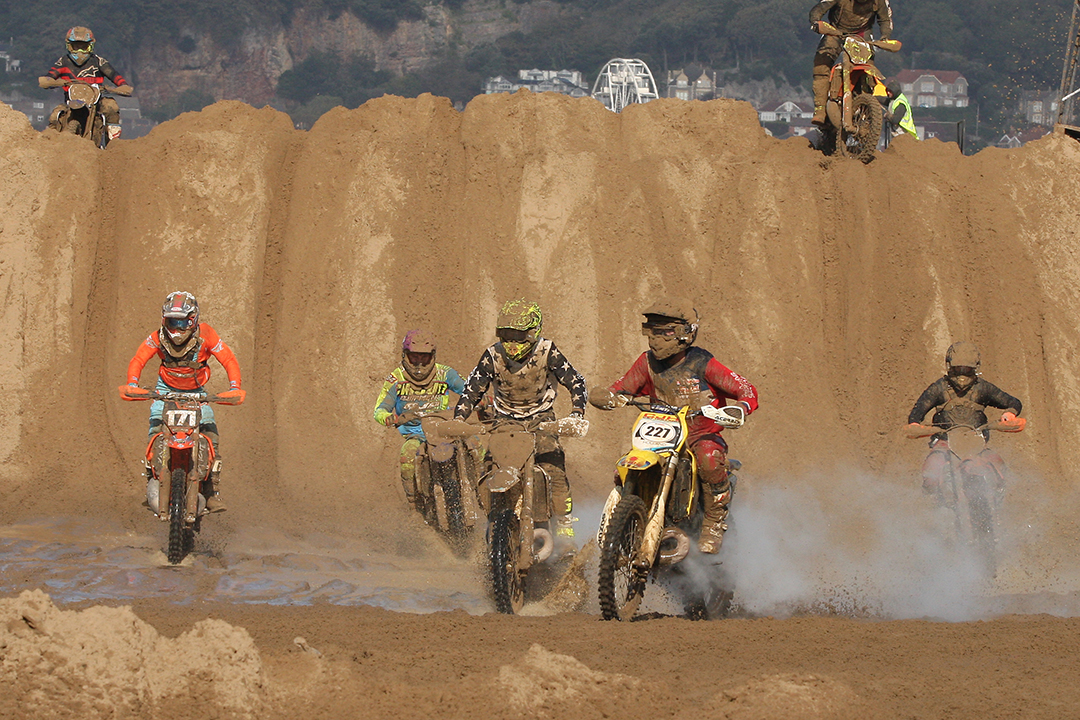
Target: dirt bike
972, 488
516, 495
446, 477
853, 114
182, 459
81, 112
652, 518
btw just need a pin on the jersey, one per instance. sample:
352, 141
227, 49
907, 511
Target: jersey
93, 71
401, 395
522, 389
968, 409
192, 371
697, 379
855, 16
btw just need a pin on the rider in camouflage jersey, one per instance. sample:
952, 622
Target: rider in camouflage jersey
523, 370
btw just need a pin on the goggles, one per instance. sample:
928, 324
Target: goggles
962, 371
184, 323
419, 359
661, 330
80, 45
511, 334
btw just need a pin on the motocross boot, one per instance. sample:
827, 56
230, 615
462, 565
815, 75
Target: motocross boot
214, 503
564, 536
821, 95
713, 526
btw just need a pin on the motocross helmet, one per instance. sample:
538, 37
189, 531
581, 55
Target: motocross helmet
671, 324
962, 366
418, 356
80, 44
179, 323
518, 327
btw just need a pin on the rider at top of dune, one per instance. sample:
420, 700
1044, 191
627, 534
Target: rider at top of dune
676, 372
184, 346
960, 397
421, 386
81, 62
524, 370
850, 17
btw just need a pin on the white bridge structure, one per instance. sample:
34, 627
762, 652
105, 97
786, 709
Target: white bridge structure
624, 82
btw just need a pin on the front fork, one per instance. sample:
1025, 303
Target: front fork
654, 528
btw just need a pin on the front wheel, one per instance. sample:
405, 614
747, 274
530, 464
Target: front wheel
179, 544
507, 582
451, 509
866, 117
621, 584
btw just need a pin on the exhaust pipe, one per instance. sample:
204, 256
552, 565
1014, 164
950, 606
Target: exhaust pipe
671, 553
543, 544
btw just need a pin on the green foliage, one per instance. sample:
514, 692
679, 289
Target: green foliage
189, 101
352, 81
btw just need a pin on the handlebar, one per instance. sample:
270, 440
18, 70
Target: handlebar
130, 392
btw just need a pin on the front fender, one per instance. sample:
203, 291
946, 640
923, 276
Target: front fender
636, 460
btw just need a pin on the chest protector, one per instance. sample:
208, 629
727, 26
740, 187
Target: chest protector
188, 357
683, 383
961, 409
523, 389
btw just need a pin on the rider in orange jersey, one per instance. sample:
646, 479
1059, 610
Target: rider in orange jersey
184, 347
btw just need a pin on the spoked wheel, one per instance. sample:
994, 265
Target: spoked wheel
507, 583
449, 505
866, 117
179, 535
982, 527
621, 584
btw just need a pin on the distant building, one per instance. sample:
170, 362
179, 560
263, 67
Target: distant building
784, 111
565, 82
679, 84
1008, 141
934, 88
1039, 107
11, 65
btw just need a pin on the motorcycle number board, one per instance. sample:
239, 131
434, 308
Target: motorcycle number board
657, 431
181, 418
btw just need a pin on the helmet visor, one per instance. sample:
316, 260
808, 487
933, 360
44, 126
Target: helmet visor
962, 371
179, 324
511, 335
80, 46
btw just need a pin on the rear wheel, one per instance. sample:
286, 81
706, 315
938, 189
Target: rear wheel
179, 540
621, 584
507, 582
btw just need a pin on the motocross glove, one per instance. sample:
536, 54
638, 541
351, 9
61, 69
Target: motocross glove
132, 392
1011, 423
236, 395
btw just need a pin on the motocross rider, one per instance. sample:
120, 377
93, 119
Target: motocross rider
184, 346
676, 372
850, 17
419, 386
522, 369
81, 62
961, 398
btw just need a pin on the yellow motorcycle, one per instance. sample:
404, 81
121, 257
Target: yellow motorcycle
653, 516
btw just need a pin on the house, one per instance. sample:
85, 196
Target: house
680, 86
11, 65
565, 82
1039, 107
784, 111
934, 88
1008, 141
34, 110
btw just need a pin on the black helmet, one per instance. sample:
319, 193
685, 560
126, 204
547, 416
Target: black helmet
962, 362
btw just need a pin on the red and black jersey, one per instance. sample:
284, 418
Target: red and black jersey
92, 71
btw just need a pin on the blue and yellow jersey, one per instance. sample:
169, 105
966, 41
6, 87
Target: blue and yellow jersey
400, 395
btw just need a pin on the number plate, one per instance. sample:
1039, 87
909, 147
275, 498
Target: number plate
181, 418
656, 431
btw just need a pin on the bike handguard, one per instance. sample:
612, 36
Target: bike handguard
730, 416
570, 426
890, 45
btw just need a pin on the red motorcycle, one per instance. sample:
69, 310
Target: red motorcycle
183, 459
853, 114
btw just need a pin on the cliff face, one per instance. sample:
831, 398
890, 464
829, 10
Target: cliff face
249, 70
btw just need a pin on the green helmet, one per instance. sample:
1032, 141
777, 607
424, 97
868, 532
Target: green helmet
518, 327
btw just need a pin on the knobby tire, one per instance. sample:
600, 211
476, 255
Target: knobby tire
621, 585
507, 584
866, 116
446, 475
178, 541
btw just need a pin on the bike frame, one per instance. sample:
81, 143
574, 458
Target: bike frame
181, 446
